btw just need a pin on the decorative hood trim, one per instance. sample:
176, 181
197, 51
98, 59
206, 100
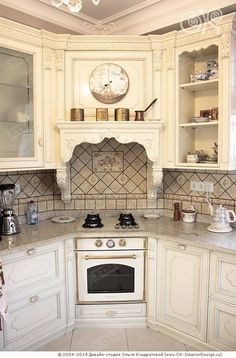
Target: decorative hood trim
146, 133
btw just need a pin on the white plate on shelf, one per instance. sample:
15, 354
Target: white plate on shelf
151, 216
63, 219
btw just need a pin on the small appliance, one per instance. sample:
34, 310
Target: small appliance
9, 221
221, 219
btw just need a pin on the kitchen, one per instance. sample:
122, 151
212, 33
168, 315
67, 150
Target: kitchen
79, 169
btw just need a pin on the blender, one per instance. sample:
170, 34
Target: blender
8, 222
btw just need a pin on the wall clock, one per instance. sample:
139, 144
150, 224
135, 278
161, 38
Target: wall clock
109, 83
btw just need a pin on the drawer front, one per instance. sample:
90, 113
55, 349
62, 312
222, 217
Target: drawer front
32, 317
222, 325
223, 277
43, 265
111, 311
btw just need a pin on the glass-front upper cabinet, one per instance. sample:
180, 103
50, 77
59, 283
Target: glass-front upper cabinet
20, 109
198, 108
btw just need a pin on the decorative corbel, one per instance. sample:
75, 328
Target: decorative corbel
63, 181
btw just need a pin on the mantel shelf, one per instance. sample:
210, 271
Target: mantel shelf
200, 85
146, 133
201, 124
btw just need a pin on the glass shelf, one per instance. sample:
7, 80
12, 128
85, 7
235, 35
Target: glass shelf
200, 86
201, 124
15, 86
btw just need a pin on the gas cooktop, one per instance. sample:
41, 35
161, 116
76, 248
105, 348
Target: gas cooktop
125, 221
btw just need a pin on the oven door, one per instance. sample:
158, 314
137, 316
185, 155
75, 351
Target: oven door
110, 276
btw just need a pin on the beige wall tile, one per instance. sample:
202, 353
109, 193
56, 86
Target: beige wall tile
168, 204
90, 204
50, 205
121, 204
70, 206
79, 204
131, 204
141, 203
59, 205
42, 206
110, 204
100, 204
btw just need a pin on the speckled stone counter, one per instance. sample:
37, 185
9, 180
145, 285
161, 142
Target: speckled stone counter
195, 234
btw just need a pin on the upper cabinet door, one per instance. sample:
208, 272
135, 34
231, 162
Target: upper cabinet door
20, 106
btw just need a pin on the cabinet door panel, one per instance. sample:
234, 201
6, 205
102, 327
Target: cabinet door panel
34, 316
223, 277
33, 267
182, 287
222, 325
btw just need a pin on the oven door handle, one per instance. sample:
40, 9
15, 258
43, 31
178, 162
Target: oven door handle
87, 257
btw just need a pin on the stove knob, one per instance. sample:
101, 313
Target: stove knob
122, 242
110, 243
98, 243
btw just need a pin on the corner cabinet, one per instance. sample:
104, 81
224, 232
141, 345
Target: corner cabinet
199, 70
21, 124
182, 290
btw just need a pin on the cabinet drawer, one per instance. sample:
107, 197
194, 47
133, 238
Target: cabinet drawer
32, 317
223, 277
42, 265
222, 325
111, 311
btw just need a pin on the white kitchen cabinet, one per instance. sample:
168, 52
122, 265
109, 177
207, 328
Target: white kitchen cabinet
182, 288
33, 316
21, 125
36, 266
222, 325
151, 277
37, 294
183, 56
222, 302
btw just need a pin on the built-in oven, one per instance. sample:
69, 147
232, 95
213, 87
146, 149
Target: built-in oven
110, 269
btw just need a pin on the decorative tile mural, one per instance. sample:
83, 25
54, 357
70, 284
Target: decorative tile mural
109, 168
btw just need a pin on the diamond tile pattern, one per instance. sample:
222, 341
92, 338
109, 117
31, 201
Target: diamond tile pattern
132, 180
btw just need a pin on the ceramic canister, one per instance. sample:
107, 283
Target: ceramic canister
189, 216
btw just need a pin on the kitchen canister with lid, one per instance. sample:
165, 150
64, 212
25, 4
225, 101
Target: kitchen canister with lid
77, 114
121, 114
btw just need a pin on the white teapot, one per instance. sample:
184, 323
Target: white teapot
221, 219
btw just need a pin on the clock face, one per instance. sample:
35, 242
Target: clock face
109, 83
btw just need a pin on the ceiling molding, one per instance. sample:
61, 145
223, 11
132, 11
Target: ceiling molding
141, 19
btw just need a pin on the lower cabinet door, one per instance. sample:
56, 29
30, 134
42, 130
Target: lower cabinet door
222, 325
182, 288
32, 317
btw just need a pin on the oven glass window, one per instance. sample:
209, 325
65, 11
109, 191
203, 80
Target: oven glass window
110, 278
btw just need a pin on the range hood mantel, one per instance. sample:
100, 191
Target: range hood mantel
146, 133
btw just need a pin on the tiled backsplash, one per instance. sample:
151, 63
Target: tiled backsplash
113, 176
176, 188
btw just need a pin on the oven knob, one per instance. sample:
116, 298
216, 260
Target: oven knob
98, 243
110, 243
122, 242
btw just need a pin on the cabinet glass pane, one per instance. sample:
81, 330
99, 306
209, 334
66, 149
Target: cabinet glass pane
16, 104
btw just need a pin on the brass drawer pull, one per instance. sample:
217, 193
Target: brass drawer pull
181, 246
31, 252
111, 313
87, 257
34, 298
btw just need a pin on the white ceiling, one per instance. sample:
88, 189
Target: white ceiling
126, 17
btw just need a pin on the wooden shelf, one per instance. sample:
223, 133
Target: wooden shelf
200, 85
201, 124
199, 165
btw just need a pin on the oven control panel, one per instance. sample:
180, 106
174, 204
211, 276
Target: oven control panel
114, 243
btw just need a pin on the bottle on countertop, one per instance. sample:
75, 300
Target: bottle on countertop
177, 212
32, 213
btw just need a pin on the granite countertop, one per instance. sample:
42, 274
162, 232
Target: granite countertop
194, 234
